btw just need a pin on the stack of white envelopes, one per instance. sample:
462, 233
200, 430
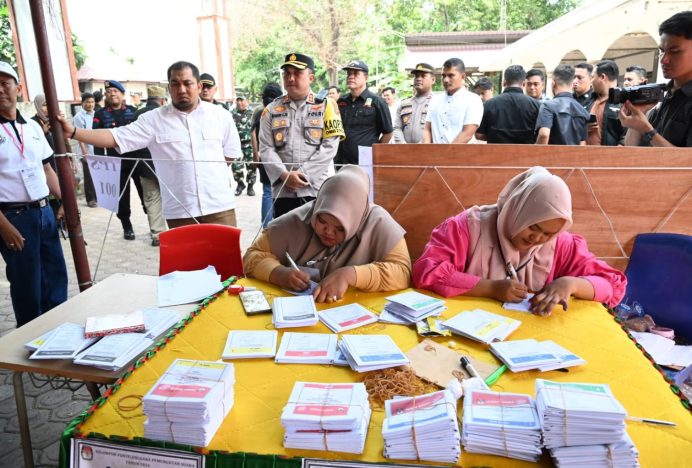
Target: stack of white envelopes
422, 428
481, 325
522, 355
366, 353
189, 402
307, 348
503, 424
585, 416
412, 306
294, 311
332, 417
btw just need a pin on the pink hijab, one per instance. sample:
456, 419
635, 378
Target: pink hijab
531, 197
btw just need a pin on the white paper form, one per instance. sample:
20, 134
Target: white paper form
250, 344
523, 306
520, 355
307, 348
65, 343
373, 351
184, 287
664, 351
482, 325
296, 311
415, 300
347, 317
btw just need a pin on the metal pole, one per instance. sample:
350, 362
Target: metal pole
69, 199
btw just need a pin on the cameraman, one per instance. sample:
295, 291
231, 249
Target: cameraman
670, 122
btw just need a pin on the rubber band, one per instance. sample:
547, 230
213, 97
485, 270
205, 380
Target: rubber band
122, 407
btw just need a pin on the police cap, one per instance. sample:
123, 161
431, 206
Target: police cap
299, 61
423, 67
207, 80
357, 65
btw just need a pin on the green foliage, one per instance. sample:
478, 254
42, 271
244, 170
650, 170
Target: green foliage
334, 32
7, 52
80, 55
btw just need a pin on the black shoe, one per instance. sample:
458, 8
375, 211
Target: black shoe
129, 234
155, 242
241, 187
250, 191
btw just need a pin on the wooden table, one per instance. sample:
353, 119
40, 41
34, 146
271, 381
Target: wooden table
116, 294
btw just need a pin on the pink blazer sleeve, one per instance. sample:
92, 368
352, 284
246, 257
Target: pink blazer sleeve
573, 258
441, 267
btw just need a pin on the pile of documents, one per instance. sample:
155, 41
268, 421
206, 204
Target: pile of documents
664, 350
329, 417
503, 424
366, 353
586, 417
295, 311
63, 342
347, 317
113, 352
243, 344
422, 428
184, 287
307, 348
102, 325
522, 355
411, 306
481, 325
189, 402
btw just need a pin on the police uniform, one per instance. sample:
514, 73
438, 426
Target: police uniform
298, 136
108, 117
243, 122
410, 119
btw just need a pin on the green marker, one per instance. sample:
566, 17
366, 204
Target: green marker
492, 378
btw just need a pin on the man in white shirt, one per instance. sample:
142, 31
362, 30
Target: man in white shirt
191, 143
84, 119
29, 242
455, 114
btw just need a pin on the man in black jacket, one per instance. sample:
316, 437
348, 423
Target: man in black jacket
606, 129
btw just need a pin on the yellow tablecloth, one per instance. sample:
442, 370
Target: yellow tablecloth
262, 387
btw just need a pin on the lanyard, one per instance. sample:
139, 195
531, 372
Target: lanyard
19, 144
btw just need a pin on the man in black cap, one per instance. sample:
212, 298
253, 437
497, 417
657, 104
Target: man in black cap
118, 114
298, 137
365, 115
411, 115
209, 90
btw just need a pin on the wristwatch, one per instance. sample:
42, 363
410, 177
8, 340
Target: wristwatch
651, 134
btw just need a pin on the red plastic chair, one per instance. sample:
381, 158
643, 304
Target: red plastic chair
196, 246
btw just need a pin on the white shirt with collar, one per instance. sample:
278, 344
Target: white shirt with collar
448, 114
83, 119
16, 166
188, 151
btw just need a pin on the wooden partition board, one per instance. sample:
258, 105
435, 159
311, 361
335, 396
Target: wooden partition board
617, 192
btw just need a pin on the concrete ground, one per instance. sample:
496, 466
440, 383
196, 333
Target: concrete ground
50, 410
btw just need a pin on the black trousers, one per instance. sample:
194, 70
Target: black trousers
124, 203
284, 205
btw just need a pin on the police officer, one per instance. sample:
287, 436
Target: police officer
298, 137
410, 117
117, 114
242, 116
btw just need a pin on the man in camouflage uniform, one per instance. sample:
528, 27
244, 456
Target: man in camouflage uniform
243, 122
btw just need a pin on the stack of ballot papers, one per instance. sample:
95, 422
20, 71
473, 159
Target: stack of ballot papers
184, 287
328, 417
189, 402
522, 355
503, 424
112, 324
481, 325
243, 344
366, 353
412, 306
574, 414
622, 454
63, 342
307, 348
422, 428
347, 317
113, 352
664, 350
295, 311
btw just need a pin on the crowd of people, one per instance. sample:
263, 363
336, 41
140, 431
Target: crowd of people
183, 148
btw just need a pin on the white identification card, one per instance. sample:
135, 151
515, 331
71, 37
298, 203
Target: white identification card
34, 184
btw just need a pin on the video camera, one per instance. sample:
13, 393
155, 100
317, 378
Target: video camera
642, 94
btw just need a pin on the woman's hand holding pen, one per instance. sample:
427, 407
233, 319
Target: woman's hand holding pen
509, 290
290, 278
